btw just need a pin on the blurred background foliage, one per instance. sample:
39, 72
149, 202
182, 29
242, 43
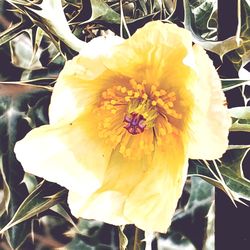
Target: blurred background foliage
35, 41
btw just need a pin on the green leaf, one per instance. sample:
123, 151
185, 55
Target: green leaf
232, 172
200, 192
210, 229
201, 19
15, 102
41, 199
37, 37
192, 220
59, 209
50, 17
201, 169
241, 125
30, 181
15, 31
229, 84
91, 234
101, 11
6, 191
22, 55
222, 47
230, 177
240, 112
241, 55
123, 240
241, 119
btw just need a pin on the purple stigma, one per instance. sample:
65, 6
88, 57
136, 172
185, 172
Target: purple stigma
135, 123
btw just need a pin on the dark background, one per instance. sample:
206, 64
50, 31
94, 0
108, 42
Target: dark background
232, 225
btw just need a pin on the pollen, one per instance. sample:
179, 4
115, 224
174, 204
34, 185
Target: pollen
135, 116
154, 103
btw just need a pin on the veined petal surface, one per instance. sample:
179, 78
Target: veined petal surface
152, 203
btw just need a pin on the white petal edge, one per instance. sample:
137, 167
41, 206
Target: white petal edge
211, 120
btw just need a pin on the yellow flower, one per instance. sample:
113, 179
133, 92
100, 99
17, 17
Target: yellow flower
125, 117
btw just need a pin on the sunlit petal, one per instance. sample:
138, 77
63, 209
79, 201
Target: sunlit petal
107, 203
152, 203
211, 120
65, 154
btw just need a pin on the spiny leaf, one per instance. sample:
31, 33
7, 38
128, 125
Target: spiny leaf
228, 84
59, 209
6, 191
15, 101
241, 119
204, 34
50, 17
30, 181
191, 221
240, 112
41, 199
241, 56
230, 167
123, 240
15, 31
101, 11
22, 55
204, 18
92, 234
37, 36
23, 2
240, 125
210, 235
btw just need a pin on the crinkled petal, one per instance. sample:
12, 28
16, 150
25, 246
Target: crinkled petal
151, 53
103, 206
70, 155
151, 205
211, 121
107, 203
75, 90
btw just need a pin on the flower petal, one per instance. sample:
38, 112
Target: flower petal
74, 90
107, 203
211, 121
105, 206
70, 155
152, 204
150, 54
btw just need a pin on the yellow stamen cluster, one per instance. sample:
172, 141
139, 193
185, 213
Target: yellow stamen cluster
156, 106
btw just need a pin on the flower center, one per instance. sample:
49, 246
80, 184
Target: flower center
135, 123
137, 116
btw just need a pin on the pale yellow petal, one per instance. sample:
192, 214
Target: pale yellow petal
106, 206
154, 53
75, 90
151, 205
70, 155
107, 203
211, 121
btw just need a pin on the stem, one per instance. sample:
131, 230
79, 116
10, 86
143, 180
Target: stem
123, 241
136, 238
139, 236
